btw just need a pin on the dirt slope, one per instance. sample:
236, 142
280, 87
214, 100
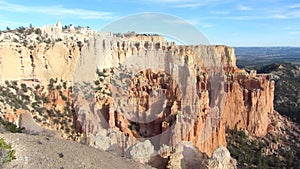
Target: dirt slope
45, 151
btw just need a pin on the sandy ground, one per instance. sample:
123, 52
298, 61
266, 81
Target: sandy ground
46, 151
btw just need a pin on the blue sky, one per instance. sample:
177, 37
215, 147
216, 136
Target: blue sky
229, 22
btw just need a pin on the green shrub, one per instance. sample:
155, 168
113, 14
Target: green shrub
24, 87
58, 87
7, 154
38, 31
65, 85
11, 127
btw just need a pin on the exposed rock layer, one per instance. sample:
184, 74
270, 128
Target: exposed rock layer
203, 88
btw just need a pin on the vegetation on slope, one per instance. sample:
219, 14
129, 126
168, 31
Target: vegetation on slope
10, 126
50, 106
7, 154
287, 88
258, 152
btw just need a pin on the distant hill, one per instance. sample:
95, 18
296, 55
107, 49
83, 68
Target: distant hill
253, 56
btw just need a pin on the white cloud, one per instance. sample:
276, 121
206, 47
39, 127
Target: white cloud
56, 10
192, 21
294, 6
287, 15
189, 5
7, 23
185, 3
279, 16
245, 8
220, 12
80, 13
295, 14
295, 32
259, 14
208, 25
170, 1
287, 28
196, 4
182, 21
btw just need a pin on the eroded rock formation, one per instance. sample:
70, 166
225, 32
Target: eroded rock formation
174, 93
147, 89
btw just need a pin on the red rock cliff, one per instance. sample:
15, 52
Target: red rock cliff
189, 93
215, 95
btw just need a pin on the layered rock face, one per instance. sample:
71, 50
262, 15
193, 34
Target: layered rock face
44, 62
254, 95
41, 53
149, 90
171, 93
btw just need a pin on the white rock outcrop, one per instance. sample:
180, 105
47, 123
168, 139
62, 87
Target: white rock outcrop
220, 159
141, 151
186, 156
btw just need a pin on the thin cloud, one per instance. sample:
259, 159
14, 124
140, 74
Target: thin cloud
245, 8
189, 5
294, 6
191, 22
80, 13
184, 22
279, 16
220, 12
56, 10
185, 3
260, 14
284, 12
287, 28
287, 15
8, 23
208, 25
295, 32
196, 4
295, 14
170, 1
